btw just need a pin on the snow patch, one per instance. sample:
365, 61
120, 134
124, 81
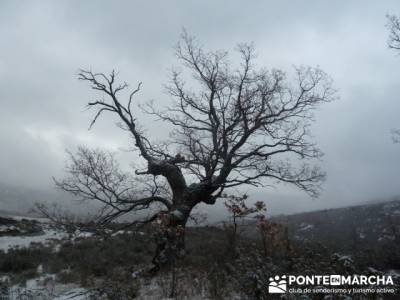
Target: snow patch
49, 235
177, 214
305, 227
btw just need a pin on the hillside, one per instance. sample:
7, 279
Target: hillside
41, 261
357, 228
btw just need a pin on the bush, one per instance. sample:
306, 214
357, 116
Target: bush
17, 260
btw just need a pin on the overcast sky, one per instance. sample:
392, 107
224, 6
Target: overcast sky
44, 43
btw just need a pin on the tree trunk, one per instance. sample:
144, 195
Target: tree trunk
170, 236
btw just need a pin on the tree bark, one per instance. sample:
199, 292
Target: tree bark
170, 236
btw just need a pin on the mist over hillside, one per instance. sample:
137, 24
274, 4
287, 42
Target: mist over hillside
356, 228
15, 200
19, 200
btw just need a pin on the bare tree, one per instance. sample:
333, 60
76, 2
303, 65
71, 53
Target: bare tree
393, 24
237, 126
396, 135
60, 217
239, 212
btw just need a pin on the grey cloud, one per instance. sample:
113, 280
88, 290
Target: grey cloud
44, 43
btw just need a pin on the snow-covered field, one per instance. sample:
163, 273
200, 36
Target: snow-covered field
350, 230
48, 237
45, 286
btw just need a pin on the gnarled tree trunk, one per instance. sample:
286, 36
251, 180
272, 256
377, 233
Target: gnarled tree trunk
170, 236
171, 227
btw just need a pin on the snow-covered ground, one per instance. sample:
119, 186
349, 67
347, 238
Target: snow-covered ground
74, 294
37, 289
20, 218
44, 286
24, 241
47, 236
189, 288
